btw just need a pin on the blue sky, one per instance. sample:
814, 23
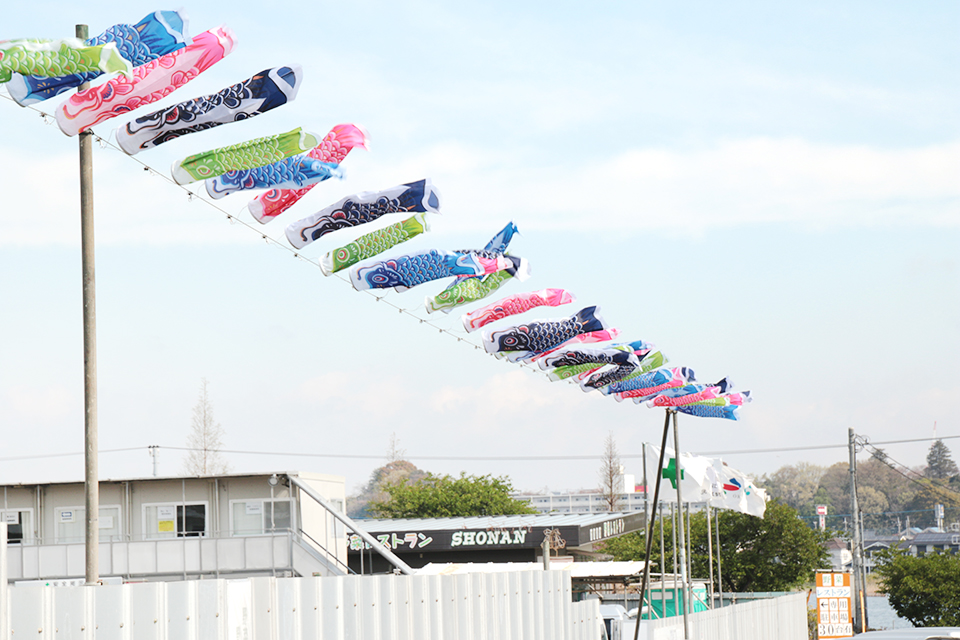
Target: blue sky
765, 192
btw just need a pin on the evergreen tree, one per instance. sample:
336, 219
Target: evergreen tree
940, 465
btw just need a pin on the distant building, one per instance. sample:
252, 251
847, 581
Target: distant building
591, 501
176, 528
933, 540
838, 551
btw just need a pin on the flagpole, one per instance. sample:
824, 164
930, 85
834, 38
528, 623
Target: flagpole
719, 570
91, 483
646, 562
683, 561
709, 552
663, 566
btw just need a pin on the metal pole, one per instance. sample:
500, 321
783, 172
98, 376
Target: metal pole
855, 514
689, 559
663, 568
709, 553
676, 569
545, 547
650, 523
91, 482
646, 489
719, 569
683, 564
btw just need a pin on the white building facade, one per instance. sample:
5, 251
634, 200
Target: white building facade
178, 528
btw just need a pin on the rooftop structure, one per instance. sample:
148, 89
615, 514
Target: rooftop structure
244, 524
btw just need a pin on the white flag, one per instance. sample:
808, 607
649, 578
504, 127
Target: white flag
734, 490
695, 483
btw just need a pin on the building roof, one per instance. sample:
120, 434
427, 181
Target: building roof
492, 522
309, 475
579, 570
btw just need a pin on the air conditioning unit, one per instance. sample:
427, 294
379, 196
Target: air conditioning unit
955, 526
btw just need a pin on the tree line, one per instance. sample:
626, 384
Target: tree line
888, 493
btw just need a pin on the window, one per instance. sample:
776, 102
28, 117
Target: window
19, 525
175, 520
255, 517
71, 524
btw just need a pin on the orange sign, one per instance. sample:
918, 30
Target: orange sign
834, 610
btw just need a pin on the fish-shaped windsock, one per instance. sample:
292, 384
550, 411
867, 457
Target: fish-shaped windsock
607, 376
580, 355
361, 208
497, 244
148, 83
243, 155
258, 94
537, 337
687, 394
705, 411
52, 58
332, 149
651, 383
404, 272
513, 305
470, 289
373, 244
727, 399
156, 35
295, 171
650, 359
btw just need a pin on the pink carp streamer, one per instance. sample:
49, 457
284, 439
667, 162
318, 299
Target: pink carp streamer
513, 305
150, 82
332, 149
665, 401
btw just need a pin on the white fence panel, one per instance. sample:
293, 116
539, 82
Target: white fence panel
784, 618
528, 605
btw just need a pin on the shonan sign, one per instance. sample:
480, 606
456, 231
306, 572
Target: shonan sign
478, 538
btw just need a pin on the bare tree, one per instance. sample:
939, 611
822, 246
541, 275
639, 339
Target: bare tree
611, 475
394, 452
205, 439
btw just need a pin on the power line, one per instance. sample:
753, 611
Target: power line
63, 455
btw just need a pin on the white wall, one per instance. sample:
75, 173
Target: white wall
526, 605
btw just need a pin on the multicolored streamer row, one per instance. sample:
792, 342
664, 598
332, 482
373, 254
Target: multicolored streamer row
53, 58
373, 244
244, 155
158, 34
514, 305
149, 82
165, 58
361, 208
403, 272
264, 91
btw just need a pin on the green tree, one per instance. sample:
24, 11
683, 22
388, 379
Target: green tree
925, 590
940, 465
436, 496
390, 473
775, 553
